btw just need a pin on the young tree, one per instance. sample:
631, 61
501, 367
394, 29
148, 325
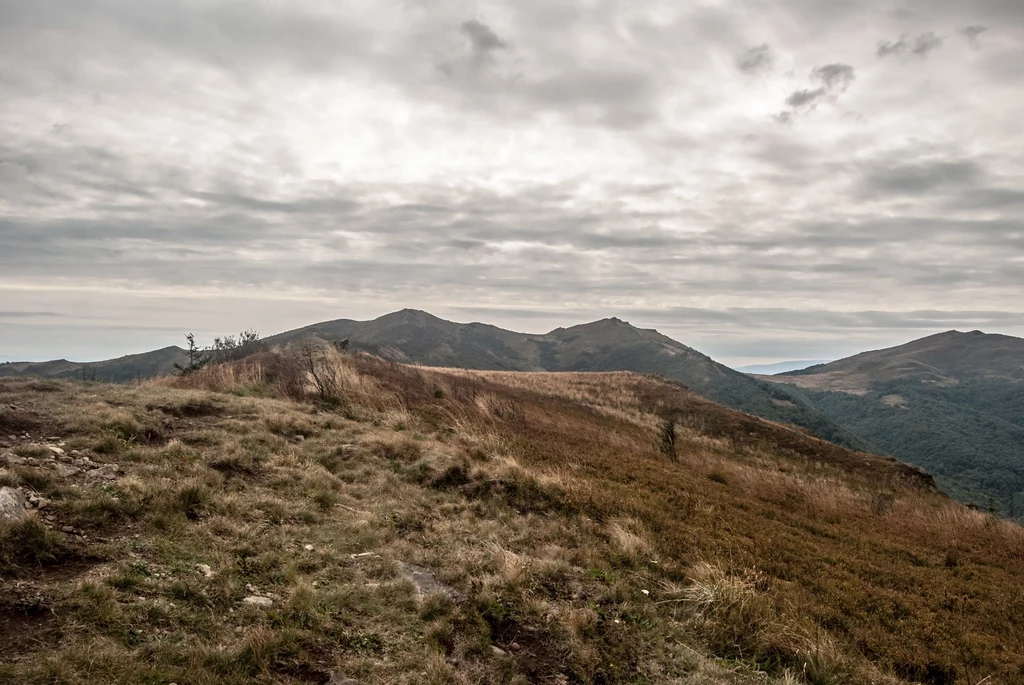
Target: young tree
197, 357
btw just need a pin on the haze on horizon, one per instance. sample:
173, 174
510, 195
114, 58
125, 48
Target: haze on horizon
760, 181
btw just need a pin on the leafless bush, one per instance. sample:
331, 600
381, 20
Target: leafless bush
285, 374
315, 360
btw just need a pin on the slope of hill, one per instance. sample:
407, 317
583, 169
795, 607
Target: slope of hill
606, 345
952, 403
445, 526
127, 368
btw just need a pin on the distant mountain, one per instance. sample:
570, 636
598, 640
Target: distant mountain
606, 345
952, 403
412, 336
944, 359
145, 365
780, 367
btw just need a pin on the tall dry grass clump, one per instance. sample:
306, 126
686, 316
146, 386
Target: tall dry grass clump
316, 371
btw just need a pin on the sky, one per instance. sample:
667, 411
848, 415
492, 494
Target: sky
762, 181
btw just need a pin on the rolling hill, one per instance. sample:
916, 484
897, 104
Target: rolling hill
952, 403
130, 367
432, 526
412, 336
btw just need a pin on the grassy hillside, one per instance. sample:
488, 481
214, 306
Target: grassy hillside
606, 345
952, 403
440, 526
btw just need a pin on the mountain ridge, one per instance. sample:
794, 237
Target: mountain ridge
610, 344
418, 337
952, 403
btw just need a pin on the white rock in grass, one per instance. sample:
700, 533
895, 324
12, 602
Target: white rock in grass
12, 504
255, 600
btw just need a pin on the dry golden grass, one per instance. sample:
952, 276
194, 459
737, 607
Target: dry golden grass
565, 538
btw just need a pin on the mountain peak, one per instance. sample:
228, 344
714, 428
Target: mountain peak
410, 316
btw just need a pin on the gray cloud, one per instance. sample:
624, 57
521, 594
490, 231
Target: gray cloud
886, 178
898, 47
756, 60
925, 43
834, 80
276, 164
835, 77
483, 39
920, 45
973, 33
802, 98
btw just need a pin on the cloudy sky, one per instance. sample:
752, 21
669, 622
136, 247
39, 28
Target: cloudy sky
760, 180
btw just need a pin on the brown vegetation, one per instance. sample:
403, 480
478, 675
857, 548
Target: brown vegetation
566, 546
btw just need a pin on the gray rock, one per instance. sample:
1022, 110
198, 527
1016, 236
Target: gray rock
340, 679
12, 504
256, 600
425, 582
65, 471
107, 471
55, 451
12, 459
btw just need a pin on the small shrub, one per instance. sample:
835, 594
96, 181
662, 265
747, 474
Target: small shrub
96, 606
290, 426
668, 437
273, 510
882, 503
130, 578
735, 614
453, 477
39, 480
401, 450
28, 542
103, 508
324, 499
189, 500
239, 464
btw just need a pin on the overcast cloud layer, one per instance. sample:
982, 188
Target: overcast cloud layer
763, 181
